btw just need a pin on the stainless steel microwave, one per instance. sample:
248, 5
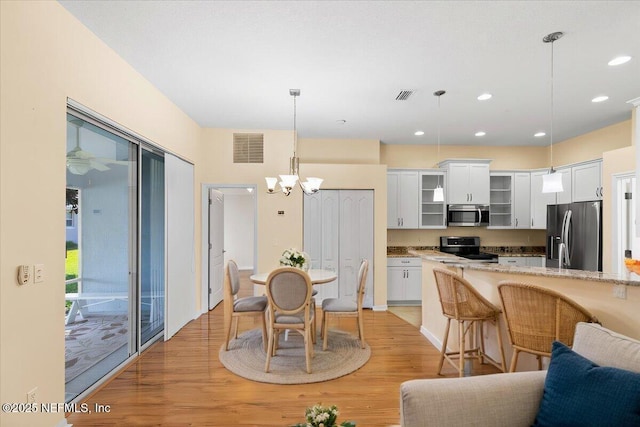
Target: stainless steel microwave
467, 215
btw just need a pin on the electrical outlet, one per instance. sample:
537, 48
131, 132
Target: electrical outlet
32, 395
38, 273
620, 291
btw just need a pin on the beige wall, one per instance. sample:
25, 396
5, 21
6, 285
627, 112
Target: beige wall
47, 56
340, 151
278, 232
426, 156
613, 162
591, 145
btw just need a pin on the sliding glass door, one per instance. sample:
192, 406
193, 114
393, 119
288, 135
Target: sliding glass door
115, 250
152, 243
101, 300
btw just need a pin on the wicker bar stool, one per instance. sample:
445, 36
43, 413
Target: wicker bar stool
460, 301
537, 316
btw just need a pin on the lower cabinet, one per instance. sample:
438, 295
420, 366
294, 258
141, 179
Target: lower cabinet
522, 261
404, 281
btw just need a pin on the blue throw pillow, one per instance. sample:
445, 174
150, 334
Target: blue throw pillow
579, 393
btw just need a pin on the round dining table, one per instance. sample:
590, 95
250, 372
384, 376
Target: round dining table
317, 276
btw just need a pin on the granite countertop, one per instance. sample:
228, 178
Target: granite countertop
630, 279
516, 251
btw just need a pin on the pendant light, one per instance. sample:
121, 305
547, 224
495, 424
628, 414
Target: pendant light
438, 193
287, 182
552, 182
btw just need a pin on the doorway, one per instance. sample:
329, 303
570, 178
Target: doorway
229, 224
625, 243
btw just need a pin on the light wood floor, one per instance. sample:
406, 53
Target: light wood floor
181, 382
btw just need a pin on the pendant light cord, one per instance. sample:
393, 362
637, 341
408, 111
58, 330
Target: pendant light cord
552, 107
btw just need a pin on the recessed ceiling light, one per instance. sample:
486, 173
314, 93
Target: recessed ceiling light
539, 134
419, 133
484, 97
481, 133
619, 60
600, 98
341, 121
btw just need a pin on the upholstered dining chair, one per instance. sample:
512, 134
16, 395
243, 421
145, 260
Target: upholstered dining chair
460, 301
342, 307
289, 293
537, 316
235, 307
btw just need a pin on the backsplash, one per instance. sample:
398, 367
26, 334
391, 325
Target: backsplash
501, 250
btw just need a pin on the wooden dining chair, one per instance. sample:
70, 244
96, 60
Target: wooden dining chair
235, 307
342, 307
289, 293
460, 301
537, 316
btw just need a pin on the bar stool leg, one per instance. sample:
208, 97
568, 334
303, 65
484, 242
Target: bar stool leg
444, 346
461, 336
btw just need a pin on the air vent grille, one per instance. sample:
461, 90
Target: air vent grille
248, 148
404, 95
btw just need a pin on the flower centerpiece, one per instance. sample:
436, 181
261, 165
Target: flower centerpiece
323, 416
294, 258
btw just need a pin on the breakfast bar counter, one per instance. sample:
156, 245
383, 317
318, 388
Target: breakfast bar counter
613, 298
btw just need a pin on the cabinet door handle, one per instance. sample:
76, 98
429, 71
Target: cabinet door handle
471, 197
516, 222
532, 222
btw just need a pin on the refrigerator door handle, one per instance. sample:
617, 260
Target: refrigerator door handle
565, 238
550, 243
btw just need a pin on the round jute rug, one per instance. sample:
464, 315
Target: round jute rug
246, 357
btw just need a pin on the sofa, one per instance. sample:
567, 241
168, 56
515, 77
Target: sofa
514, 399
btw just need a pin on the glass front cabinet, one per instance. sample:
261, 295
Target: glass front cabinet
433, 213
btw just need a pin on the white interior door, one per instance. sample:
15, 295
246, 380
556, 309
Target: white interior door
216, 246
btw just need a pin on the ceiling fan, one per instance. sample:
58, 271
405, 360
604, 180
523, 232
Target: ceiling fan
79, 162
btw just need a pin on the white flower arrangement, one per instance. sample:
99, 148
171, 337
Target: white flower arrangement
294, 258
323, 416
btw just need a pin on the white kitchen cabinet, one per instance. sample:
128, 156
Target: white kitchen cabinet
468, 181
518, 261
510, 205
565, 195
536, 261
501, 203
540, 200
338, 234
587, 181
521, 199
432, 214
522, 261
404, 281
402, 199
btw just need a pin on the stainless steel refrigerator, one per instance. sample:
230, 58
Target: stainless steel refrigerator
574, 236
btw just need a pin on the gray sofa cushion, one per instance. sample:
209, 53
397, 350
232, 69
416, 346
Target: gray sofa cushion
606, 348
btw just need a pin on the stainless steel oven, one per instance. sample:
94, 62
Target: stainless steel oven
467, 215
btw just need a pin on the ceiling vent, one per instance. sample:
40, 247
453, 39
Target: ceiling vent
404, 95
248, 148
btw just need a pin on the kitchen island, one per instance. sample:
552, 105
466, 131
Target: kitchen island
600, 293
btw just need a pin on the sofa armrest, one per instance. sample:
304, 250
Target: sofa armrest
488, 400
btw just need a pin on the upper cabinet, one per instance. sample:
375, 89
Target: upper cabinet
433, 214
402, 199
587, 182
468, 181
565, 195
540, 200
501, 195
510, 205
521, 199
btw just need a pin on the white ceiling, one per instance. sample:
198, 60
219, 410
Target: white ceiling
231, 64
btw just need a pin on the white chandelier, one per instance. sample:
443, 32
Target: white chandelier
287, 182
552, 182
